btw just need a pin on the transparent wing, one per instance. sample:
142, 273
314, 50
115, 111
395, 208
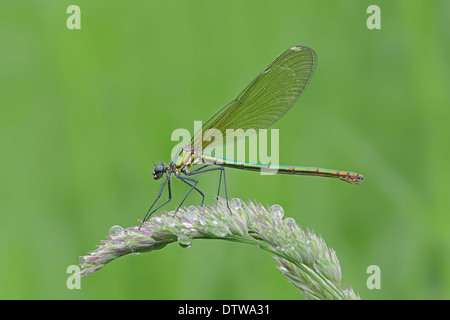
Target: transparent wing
265, 100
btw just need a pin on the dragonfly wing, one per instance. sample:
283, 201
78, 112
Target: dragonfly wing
265, 100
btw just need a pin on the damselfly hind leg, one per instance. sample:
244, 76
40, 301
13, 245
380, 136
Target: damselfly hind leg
203, 169
194, 187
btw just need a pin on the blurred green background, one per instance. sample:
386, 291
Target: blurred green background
83, 113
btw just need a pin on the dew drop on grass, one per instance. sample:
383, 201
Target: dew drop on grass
276, 211
290, 222
115, 231
184, 240
190, 216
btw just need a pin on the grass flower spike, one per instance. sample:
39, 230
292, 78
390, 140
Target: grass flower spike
302, 256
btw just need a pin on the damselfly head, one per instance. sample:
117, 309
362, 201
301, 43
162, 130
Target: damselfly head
158, 170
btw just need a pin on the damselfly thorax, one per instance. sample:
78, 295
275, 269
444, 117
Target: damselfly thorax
186, 157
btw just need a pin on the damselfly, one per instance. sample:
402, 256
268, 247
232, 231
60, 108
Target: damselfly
263, 102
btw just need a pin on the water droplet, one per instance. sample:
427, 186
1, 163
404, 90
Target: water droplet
190, 216
115, 231
276, 211
236, 204
184, 240
290, 222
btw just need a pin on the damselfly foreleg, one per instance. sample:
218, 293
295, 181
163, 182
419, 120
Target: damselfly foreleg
193, 186
149, 212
